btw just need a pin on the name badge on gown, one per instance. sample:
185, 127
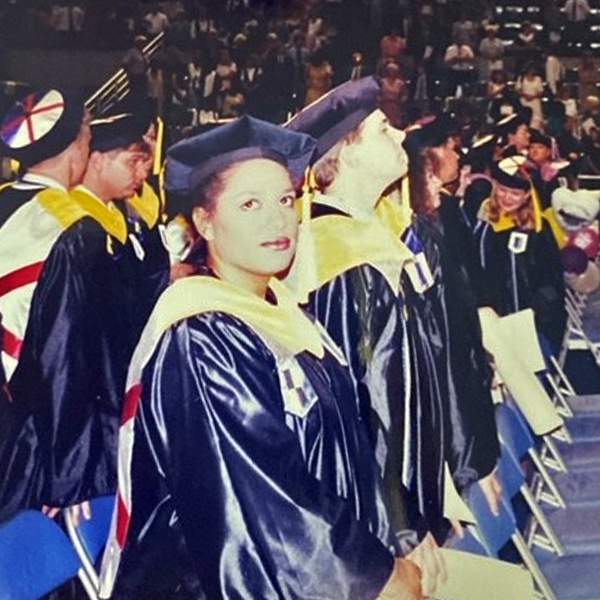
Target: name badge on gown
419, 273
417, 269
517, 242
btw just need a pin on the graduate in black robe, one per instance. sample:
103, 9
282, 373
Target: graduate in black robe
250, 474
450, 306
519, 254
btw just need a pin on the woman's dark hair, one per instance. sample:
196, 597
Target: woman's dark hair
423, 162
204, 195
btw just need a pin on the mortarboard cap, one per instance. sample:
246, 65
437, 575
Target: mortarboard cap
117, 131
509, 124
192, 160
336, 114
41, 125
481, 153
430, 132
512, 172
537, 137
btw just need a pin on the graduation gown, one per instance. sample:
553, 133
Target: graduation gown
360, 307
432, 388
356, 296
147, 258
471, 372
59, 438
250, 474
528, 276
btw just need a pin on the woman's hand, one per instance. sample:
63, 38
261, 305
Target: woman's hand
492, 490
429, 559
78, 512
404, 583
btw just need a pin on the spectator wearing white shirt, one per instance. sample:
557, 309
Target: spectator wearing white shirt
491, 51
460, 60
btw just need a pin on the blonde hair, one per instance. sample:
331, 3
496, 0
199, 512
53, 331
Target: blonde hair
524, 216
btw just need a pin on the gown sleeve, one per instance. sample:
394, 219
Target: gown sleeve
548, 289
256, 522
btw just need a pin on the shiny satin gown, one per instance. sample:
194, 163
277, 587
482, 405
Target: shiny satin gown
238, 490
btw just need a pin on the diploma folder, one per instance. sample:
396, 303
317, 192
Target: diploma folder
474, 577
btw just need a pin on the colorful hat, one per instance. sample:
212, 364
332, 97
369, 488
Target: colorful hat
41, 125
336, 114
117, 131
192, 160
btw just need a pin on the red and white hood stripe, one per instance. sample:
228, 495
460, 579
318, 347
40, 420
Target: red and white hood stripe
25, 242
122, 513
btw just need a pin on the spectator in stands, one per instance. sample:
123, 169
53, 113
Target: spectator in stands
197, 73
491, 52
590, 150
544, 177
61, 22
250, 80
589, 77
530, 87
155, 21
233, 102
156, 85
466, 29
577, 13
393, 94
135, 65
239, 49
392, 46
314, 29
200, 22
275, 99
299, 54
226, 74
459, 60
555, 72
566, 96
526, 46
319, 77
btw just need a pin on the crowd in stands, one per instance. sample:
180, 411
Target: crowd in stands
480, 60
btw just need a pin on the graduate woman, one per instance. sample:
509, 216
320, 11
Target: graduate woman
245, 471
518, 253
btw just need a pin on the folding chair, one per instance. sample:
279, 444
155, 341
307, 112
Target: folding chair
539, 532
36, 558
555, 577
497, 531
577, 494
90, 535
515, 433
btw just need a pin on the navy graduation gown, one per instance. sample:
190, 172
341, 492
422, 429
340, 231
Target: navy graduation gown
235, 491
59, 429
532, 278
364, 316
